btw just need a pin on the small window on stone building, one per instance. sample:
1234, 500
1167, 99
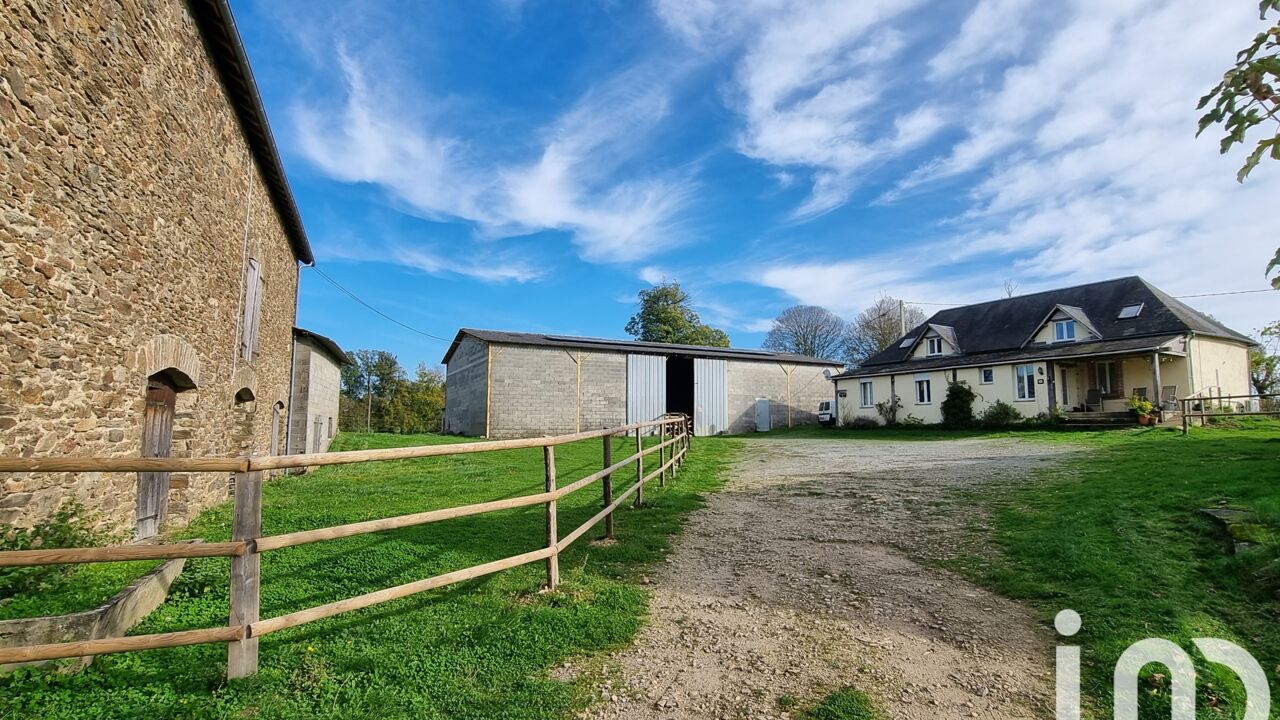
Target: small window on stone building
254, 288
330, 426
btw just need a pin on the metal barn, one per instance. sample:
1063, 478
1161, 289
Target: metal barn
507, 384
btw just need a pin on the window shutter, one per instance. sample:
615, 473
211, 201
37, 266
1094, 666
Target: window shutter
252, 303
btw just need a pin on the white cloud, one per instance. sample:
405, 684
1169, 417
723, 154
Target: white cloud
995, 29
810, 84
489, 269
653, 274
571, 185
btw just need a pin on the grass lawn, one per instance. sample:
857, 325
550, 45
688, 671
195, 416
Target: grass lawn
481, 649
1114, 535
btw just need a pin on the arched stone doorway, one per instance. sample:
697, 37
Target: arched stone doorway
171, 366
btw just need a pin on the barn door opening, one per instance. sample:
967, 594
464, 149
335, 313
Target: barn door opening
157, 442
680, 385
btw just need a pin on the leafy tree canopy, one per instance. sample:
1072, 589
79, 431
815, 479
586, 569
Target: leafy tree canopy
1248, 97
1264, 360
666, 316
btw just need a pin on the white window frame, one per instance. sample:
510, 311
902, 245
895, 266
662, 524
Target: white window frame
933, 342
1024, 382
866, 394
1061, 328
982, 376
1131, 311
925, 398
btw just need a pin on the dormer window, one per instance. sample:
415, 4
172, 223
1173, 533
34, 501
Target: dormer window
935, 346
1129, 312
1064, 330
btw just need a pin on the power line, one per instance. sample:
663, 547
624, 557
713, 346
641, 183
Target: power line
353, 296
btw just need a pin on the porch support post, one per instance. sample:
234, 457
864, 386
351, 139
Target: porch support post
1155, 377
1051, 374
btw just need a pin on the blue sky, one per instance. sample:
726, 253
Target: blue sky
531, 165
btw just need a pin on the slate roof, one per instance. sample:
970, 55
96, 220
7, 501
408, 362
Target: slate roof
632, 346
327, 344
996, 331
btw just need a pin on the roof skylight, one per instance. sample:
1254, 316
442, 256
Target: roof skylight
1130, 311
906, 342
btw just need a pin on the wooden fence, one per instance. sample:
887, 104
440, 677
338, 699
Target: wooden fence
1211, 403
247, 542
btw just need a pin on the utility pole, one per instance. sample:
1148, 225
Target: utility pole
368, 399
902, 318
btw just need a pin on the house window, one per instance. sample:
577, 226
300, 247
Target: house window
867, 398
988, 375
924, 394
254, 288
1104, 377
1064, 330
935, 346
1025, 376
1130, 311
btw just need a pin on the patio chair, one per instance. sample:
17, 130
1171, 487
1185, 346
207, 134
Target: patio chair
1093, 400
1169, 397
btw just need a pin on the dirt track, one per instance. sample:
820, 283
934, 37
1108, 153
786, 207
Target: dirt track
802, 577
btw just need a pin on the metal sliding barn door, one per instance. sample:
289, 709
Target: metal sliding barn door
646, 387
157, 441
710, 396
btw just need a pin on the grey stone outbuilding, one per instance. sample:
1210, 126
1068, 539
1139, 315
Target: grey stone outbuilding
509, 384
317, 382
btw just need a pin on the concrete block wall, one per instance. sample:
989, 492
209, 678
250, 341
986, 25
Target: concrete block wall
317, 382
535, 391
749, 380
465, 388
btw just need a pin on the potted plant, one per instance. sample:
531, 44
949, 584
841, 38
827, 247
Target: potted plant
1142, 408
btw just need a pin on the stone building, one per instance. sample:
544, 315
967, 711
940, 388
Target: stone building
317, 383
505, 384
149, 254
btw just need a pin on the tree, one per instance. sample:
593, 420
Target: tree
1248, 97
877, 327
665, 316
1264, 360
806, 330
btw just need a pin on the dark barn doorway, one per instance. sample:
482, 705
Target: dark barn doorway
680, 385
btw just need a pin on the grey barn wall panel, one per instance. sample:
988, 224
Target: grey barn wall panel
710, 396
646, 387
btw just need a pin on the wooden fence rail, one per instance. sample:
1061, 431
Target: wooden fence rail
247, 545
1211, 403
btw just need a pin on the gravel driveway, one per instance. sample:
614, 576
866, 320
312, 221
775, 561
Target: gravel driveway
804, 576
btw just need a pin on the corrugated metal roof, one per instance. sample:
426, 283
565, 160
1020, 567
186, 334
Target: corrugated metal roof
502, 337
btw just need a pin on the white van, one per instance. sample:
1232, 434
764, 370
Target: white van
825, 416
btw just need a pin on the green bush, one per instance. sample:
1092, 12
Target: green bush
957, 407
1001, 414
863, 423
912, 421
67, 528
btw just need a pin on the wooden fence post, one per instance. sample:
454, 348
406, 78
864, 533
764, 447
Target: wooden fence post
246, 525
662, 455
608, 486
639, 469
553, 561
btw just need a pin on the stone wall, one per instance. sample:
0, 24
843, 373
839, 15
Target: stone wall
466, 388
124, 193
751, 380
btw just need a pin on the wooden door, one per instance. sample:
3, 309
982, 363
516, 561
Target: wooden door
157, 441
